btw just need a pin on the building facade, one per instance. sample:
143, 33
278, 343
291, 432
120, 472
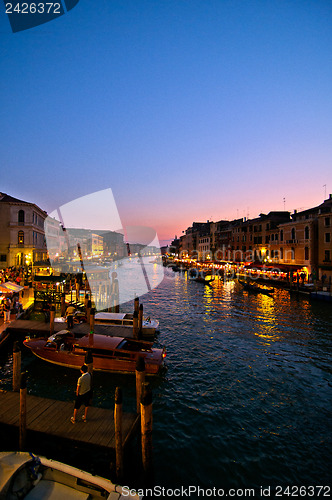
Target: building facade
22, 237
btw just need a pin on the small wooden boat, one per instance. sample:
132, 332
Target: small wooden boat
250, 287
25, 476
110, 354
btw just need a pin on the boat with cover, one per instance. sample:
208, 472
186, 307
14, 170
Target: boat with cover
110, 354
25, 476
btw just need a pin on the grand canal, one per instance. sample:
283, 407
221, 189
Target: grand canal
246, 399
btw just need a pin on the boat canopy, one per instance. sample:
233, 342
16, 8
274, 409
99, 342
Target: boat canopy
109, 316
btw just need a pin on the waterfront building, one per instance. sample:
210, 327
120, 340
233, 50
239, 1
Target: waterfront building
22, 237
301, 241
324, 227
114, 245
306, 241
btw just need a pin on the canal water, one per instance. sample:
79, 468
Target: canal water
246, 398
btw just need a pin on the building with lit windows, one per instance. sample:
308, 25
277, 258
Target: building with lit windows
22, 238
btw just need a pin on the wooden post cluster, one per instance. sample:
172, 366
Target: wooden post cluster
118, 432
16, 367
52, 316
23, 411
146, 429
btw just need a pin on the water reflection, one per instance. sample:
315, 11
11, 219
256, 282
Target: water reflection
246, 399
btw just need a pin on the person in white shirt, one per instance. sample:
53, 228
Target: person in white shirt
83, 393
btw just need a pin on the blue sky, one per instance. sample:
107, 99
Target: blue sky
188, 110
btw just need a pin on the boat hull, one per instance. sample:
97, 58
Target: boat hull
106, 358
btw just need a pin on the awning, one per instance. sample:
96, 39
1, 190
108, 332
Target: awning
9, 286
269, 267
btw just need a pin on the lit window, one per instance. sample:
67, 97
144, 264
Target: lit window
20, 238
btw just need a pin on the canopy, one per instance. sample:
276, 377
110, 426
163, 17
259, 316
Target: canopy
9, 286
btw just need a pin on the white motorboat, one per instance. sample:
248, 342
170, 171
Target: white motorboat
149, 326
25, 476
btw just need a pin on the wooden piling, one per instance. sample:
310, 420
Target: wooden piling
118, 433
88, 311
89, 361
92, 320
115, 307
16, 367
146, 429
136, 304
140, 379
86, 300
63, 304
23, 411
77, 291
140, 320
92, 326
52, 316
135, 325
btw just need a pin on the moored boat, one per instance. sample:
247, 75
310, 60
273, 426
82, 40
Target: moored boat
149, 326
25, 476
250, 287
110, 354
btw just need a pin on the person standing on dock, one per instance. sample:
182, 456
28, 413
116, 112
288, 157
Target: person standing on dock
6, 308
70, 316
83, 393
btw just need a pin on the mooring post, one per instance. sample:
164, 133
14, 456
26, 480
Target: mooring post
86, 300
88, 311
92, 320
135, 325
89, 361
136, 304
52, 316
23, 410
63, 304
140, 379
146, 429
140, 321
118, 432
16, 366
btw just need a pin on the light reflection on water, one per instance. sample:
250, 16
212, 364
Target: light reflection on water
247, 395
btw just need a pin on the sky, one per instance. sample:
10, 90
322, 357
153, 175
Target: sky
188, 110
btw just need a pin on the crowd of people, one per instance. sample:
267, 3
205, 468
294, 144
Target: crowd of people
10, 300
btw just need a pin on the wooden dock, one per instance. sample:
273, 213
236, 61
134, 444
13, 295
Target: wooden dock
49, 417
25, 327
